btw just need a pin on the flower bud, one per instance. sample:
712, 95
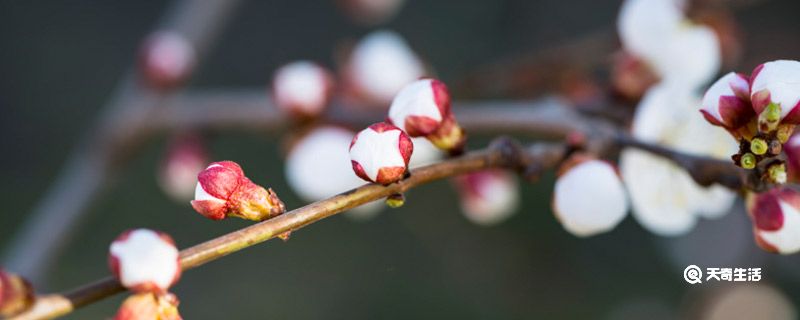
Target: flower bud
776, 219
380, 153
16, 294
302, 88
727, 102
380, 65
488, 197
186, 156
166, 59
422, 109
589, 197
792, 150
775, 93
149, 306
371, 11
223, 190
144, 260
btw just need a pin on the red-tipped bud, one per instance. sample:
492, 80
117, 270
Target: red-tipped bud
792, 150
775, 92
727, 102
186, 156
371, 11
589, 197
379, 66
16, 294
145, 260
302, 88
776, 219
223, 190
488, 197
422, 109
166, 59
149, 306
380, 153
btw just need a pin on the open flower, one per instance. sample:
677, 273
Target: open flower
16, 294
422, 109
380, 65
144, 260
302, 88
589, 197
166, 59
223, 190
186, 156
380, 153
775, 93
149, 306
318, 166
488, 197
727, 102
665, 198
776, 219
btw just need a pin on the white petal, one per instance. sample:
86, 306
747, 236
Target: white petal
201, 194
690, 57
302, 84
644, 24
497, 200
416, 99
782, 79
145, 257
382, 63
375, 150
590, 199
787, 238
720, 88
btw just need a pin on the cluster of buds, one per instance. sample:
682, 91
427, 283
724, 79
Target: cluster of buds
380, 153
16, 294
166, 60
422, 109
589, 197
302, 89
185, 157
147, 263
488, 197
223, 191
761, 112
776, 219
149, 306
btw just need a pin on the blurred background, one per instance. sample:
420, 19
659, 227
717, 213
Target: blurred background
61, 60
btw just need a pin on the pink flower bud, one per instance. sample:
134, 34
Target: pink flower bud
380, 153
302, 88
589, 197
149, 306
16, 294
488, 197
144, 260
727, 102
223, 190
379, 66
792, 150
776, 219
186, 156
166, 59
777, 82
422, 109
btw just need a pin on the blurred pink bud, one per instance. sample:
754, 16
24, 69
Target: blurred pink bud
371, 11
186, 156
380, 65
632, 76
145, 260
589, 197
727, 102
16, 294
149, 306
223, 190
777, 82
792, 150
380, 153
166, 59
422, 109
302, 88
488, 197
776, 219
